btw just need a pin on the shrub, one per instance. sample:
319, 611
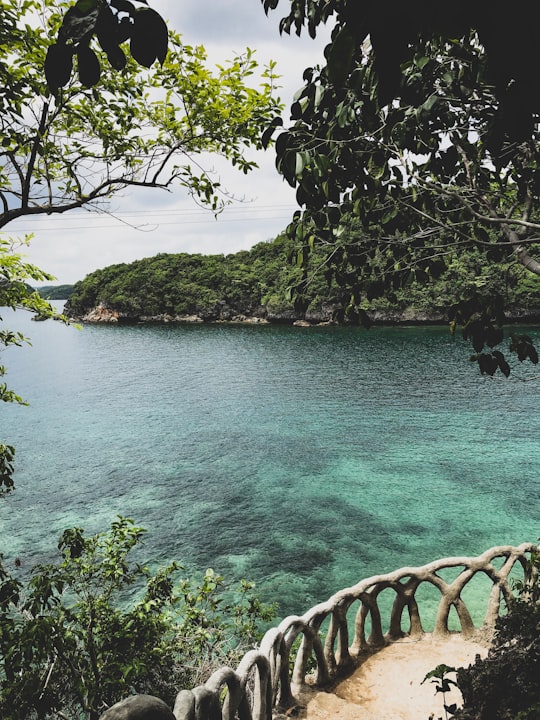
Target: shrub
506, 684
83, 632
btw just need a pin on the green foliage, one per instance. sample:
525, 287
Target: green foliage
259, 282
505, 685
424, 139
135, 128
112, 24
7, 457
81, 633
395, 32
185, 284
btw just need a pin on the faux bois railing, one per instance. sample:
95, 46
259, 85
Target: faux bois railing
268, 677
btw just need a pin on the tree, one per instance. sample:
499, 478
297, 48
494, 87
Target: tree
426, 132
67, 145
79, 146
395, 30
96, 625
257, 282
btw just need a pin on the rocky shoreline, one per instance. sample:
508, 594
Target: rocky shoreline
323, 316
222, 313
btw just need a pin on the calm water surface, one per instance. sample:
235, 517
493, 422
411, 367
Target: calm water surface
304, 459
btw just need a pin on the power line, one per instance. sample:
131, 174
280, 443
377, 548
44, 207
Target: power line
150, 221
157, 224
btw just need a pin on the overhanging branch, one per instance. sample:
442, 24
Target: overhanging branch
100, 192
491, 219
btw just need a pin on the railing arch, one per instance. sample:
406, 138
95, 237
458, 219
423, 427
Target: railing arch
275, 683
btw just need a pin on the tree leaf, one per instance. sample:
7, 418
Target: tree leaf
117, 57
124, 6
58, 66
340, 56
438, 672
487, 363
149, 38
504, 367
83, 7
107, 29
75, 27
421, 61
481, 234
268, 132
88, 66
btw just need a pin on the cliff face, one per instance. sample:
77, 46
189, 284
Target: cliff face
222, 312
218, 312
331, 314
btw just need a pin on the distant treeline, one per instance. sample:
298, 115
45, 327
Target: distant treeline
55, 292
258, 282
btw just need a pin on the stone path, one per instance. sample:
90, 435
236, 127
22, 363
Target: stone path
388, 685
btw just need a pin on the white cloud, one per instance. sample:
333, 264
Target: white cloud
75, 244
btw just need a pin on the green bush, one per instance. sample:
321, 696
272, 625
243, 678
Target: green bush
83, 632
506, 684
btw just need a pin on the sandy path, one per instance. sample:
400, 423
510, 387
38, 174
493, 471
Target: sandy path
387, 686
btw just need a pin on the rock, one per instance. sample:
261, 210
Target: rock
301, 323
254, 320
323, 313
103, 314
188, 319
282, 315
139, 707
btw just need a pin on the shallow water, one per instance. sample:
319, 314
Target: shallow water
303, 459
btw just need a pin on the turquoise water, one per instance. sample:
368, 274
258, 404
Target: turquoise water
304, 459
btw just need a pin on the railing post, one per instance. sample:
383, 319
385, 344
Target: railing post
184, 706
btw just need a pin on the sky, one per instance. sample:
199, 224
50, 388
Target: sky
72, 245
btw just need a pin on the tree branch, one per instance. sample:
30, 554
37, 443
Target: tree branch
526, 260
520, 251
101, 191
526, 214
492, 219
33, 154
16, 166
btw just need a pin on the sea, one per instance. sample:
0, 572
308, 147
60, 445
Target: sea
303, 459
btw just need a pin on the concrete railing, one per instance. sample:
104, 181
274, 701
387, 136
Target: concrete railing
318, 642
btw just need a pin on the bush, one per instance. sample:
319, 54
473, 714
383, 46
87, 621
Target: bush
84, 632
506, 684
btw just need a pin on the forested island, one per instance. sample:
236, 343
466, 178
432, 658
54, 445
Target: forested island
267, 284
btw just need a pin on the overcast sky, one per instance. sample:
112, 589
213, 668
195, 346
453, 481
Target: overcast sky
73, 245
